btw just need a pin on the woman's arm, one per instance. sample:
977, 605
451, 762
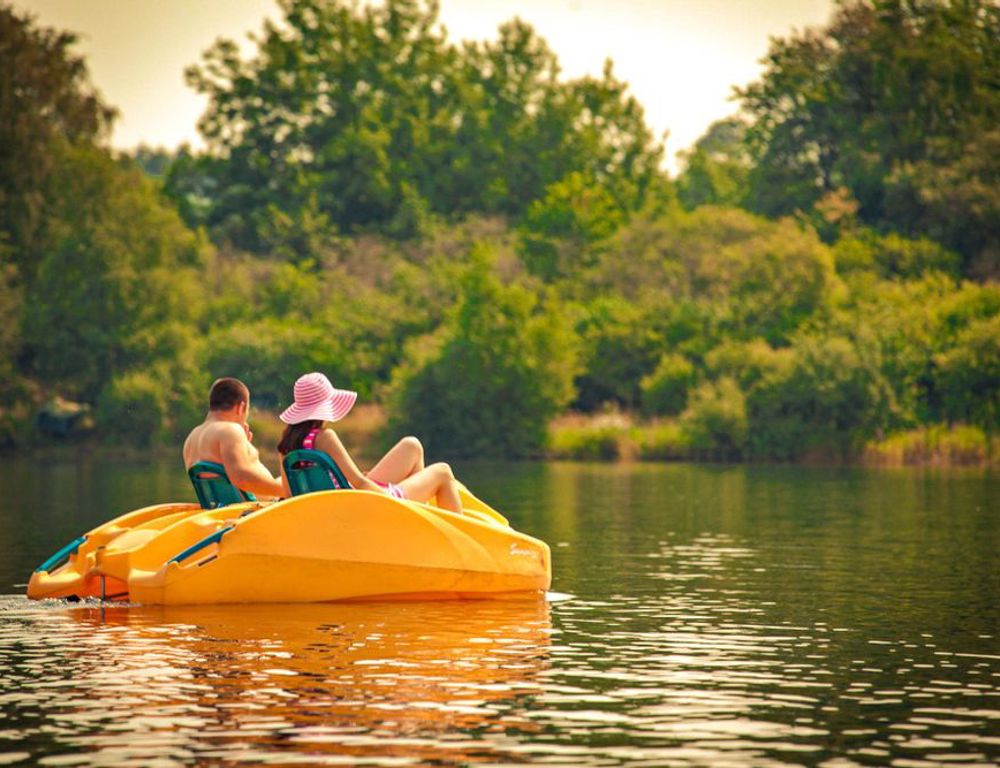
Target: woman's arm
284, 481
328, 441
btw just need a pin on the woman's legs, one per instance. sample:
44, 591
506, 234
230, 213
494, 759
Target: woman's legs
436, 480
404, 459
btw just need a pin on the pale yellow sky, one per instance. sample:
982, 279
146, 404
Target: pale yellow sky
680, 57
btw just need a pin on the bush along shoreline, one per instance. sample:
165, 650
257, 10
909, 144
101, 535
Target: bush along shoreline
610, 436
617, 436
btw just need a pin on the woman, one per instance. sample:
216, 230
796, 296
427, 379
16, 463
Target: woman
401, 472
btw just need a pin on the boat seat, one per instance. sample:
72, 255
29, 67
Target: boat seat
213, 488
309, 470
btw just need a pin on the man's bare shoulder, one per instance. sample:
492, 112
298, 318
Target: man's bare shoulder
226, 428
207, 441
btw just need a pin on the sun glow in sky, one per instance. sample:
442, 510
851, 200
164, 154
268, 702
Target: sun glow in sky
680, 57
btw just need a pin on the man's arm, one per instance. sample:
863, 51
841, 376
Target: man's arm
245, 473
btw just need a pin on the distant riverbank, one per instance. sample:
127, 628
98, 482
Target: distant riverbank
618, 436
614, 436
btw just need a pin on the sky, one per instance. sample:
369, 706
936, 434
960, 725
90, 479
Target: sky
681, 58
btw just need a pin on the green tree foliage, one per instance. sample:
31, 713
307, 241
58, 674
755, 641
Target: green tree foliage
116, 290
717, 168
824, 399
490, 379
154, 161
14, 388
716, 420
897, 101
762, 278
559, 230
954, 198
968, 375
620, 345
364, 159
892, 256
747, 362
369, 118
665, 390
46, 99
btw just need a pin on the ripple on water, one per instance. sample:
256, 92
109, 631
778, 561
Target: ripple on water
682, 663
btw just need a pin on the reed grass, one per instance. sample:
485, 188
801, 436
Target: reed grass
938, 445
616, 436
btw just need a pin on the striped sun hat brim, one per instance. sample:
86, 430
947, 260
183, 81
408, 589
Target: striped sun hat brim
316, 398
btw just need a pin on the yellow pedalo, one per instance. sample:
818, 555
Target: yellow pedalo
317, 546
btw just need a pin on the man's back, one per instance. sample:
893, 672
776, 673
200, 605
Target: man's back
224, 438
207, 441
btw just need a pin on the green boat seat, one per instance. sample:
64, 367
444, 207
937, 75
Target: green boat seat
213, 488
309, 470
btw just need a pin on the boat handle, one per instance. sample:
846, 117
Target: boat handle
212, 538
58, 557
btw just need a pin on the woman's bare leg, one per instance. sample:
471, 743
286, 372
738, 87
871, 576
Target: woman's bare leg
404, 459
436, 480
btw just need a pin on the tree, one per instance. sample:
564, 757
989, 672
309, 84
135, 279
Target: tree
953, 199
968, 375
116, 289
889, 92
372, 117
490, 379
665, 390
717, 168
715, 420
46, 99
754, 277
559, 229
824, 397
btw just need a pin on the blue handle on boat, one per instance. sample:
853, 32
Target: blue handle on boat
62, 554
210, 539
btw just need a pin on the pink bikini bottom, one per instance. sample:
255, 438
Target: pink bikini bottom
391, 488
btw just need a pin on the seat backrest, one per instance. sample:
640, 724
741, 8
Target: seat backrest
213, 488
309, 471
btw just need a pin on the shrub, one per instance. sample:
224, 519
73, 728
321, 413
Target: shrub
490, 380
621, 345
938, 445
968, 375
156, 404
715, 421
747, 362
826, 398
661, 440
665, 390
134, 408
605, 436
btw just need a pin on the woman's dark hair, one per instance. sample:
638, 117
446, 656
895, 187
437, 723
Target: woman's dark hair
294, 434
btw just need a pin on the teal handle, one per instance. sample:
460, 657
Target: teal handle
210, 539
62, 554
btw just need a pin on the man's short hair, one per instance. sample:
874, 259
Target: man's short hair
226, 394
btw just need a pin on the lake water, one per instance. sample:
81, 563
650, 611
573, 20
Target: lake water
700, 615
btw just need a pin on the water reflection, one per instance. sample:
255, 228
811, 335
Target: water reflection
720, 616
346, 683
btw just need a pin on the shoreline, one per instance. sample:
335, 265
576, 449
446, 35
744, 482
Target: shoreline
94, 449
611, 437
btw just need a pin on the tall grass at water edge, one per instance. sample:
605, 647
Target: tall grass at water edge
615, 436
618, 436
938, 446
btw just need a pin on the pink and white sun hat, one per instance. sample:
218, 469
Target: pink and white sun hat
316, 398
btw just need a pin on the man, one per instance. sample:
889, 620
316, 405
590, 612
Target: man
224, 437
